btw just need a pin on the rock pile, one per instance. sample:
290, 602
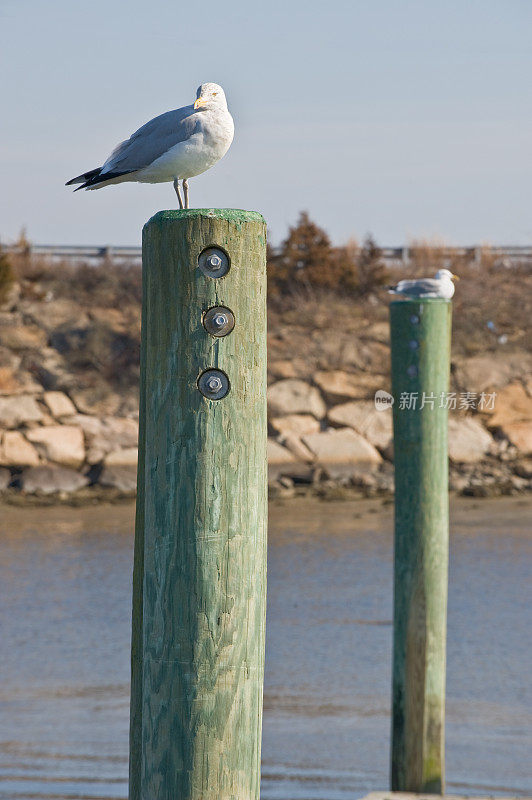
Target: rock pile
59, 436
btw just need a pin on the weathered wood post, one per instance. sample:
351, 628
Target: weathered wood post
420, 338
200, 543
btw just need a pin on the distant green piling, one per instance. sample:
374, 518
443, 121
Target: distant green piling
420, 338
200, 543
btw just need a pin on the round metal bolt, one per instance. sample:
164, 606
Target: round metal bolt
213, 384
414, 319
214, 262
413, 344
218, 321
412, 371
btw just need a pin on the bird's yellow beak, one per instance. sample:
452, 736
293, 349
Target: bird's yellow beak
200, 102
455, 278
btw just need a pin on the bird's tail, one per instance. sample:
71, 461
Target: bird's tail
93, 178
86, 178
391, 289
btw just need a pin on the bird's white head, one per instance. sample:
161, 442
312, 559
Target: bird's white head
210, 95
446, 274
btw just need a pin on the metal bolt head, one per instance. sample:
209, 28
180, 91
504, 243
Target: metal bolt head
414, 319
413, 344
213, 384
218, 321
412, 371
214, 262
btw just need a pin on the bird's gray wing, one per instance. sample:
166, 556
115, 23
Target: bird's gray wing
418, 288
152, 140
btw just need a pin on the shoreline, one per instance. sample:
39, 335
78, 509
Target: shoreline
324, 492
294, 517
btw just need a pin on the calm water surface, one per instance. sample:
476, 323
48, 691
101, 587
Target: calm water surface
65, 620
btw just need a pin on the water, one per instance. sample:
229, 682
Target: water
65, 622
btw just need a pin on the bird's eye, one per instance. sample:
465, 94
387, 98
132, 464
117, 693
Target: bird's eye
214, 94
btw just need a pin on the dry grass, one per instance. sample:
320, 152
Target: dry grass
321, 327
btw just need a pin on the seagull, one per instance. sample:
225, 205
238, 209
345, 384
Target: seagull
171, 147
441, 285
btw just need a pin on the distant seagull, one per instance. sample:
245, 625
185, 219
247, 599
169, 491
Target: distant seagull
440, 286
174, 146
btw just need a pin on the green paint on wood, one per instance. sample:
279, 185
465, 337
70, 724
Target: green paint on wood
420, 337
201, 526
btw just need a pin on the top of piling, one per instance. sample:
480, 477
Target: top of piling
235, 215
417, 300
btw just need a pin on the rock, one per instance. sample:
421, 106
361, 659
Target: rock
520, 484
52, 479
112, 318
102, 436
512, 404
16, 451
126, 456
51, 370
9, 359
17, 381
282, 462
363, 417
378, 332
54, 313
468, 440
458, 482
19, 410
295, 424
123, 478
342, 450
299, 450
59, 404
520, 435
63, 444
524, 468
5, 478
480, 373
129, 405
277, 454
282, 368
98, 400
294, 396
22, 337
337, 385
11, 297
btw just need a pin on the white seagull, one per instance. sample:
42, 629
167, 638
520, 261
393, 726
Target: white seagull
174, 146
440, 286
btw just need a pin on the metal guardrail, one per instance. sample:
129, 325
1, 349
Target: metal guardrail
509, 256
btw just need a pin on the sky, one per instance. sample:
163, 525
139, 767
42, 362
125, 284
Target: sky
408, 119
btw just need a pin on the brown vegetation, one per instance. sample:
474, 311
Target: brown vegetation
322, 299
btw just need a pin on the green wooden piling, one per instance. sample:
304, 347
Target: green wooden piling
200, 562
420, 338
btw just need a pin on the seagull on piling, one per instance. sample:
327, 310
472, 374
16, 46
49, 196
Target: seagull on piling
440, 286
171, 147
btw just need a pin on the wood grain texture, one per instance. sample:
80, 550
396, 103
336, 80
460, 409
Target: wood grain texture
203, 527
421, 543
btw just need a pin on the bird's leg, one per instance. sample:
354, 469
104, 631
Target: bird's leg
178, 193
185, 191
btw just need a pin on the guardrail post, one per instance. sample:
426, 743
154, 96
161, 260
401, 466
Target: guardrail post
200, 542
420, 337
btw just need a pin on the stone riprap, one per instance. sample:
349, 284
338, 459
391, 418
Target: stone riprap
324, 430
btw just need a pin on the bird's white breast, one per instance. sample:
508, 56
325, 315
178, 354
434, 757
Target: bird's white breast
195, 155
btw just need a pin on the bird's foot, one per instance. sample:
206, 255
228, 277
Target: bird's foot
185, 191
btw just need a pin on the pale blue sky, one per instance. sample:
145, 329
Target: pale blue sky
406, 118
